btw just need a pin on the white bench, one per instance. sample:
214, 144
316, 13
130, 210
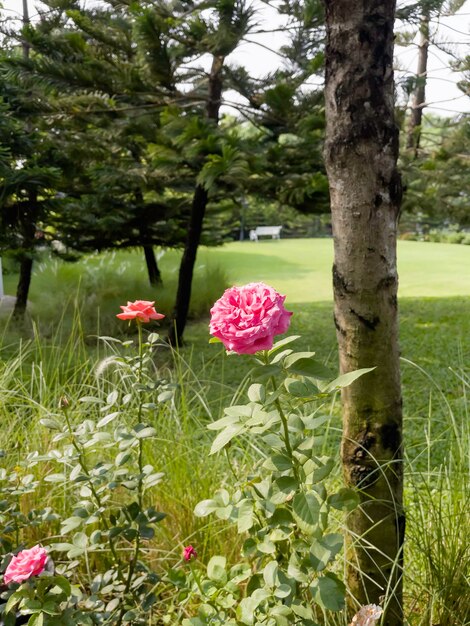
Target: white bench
265, 231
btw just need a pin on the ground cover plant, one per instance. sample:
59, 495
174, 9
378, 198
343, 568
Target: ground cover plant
435, 376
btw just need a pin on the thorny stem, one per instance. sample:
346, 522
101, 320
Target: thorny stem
282, 415
196, 578
140, 497
96, 495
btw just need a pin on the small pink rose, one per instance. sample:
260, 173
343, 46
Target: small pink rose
246, 319
188, 553
140, 310
25, 564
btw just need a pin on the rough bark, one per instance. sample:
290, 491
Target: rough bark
27, 223
198, 210
153, 271
22, 289
361, 152
26, 255
419, 94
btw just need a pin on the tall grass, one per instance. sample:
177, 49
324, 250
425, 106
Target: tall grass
96, 284
438, 517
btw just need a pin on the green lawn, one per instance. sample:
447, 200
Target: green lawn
301, 268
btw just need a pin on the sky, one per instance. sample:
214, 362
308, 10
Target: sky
443, 97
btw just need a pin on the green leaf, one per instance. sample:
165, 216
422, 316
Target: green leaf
205, 507
153, 479
215, 340
270, 574
55, 478
346, 499
302, 610
216, 569
283, 591
61, 547
257, 393
80, 540
70, 524
317, 469
112, 397
12, 602
90, 400
283, 488
107, 419
296, 570
267, 546
146, 433
306, 511
245, 515
239, 573
303, 364
311, 423
51, 608
264, 372
223, 422
283, 342
224, 437
36, 620
345, 379
63, 584
328, 592
303, 388
113, 604
50, 423
247, 607
279, 462
324, 550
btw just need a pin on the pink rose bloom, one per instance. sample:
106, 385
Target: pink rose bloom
246, 319
367, 615
25, 564
188, 553
140, 310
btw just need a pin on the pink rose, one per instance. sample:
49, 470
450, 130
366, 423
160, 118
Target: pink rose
140, 310
246, 319
188, 553
25, 564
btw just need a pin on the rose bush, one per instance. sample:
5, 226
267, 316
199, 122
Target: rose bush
283, 508
25, 564
246, 319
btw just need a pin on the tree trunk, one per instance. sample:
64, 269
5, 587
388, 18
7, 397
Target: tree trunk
198, 210
154, 274
24, 282
361, 152
419, 95
188, 261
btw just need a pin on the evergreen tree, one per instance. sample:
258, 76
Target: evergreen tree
28, 181
138, 129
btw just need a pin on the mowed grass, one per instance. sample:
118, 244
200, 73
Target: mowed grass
301, 268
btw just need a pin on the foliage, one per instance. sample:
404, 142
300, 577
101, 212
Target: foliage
100, 462
28, 173
282, 507
437, 182
35, 374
